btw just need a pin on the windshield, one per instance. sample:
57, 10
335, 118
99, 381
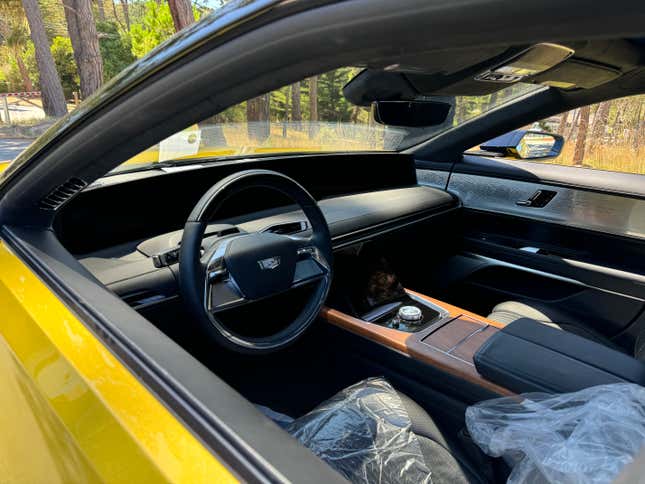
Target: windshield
309, 116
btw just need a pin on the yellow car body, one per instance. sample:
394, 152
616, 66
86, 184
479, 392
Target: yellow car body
70, 411
74, 405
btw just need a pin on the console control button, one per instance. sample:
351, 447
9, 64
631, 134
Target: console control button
410, 314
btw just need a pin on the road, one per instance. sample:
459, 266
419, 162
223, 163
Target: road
10, 148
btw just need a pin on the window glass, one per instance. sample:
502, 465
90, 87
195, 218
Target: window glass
605, 136
309, 116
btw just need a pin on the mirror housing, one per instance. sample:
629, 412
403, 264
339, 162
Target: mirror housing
524, 144
412, 114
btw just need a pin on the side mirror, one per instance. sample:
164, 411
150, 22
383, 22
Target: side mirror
526, 144
413, 114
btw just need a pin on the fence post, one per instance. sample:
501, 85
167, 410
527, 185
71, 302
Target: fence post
5, 105
75, 98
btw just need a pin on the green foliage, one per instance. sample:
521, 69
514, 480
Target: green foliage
332, 105
116, 49
155, 26
4, 85
10, 72
63, 55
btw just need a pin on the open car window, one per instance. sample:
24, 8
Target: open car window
607, 136
309, 116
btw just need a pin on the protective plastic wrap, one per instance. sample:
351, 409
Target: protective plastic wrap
582, 437
364, 432
280, 418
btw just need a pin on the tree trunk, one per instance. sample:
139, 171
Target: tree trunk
116, 15
85, 43
257, 117
313, 106
579, 153
296, 111
50, 86
356, 110
101, 10
563, 123
639, 129
574, 123
182, 13
126, 13
617, 128
600, 123
24, 73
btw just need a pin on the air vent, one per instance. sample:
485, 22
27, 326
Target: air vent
59, 195
287, 228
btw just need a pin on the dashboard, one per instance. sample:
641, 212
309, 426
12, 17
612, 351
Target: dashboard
127, 228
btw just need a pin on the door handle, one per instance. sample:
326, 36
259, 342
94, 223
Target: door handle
538, 200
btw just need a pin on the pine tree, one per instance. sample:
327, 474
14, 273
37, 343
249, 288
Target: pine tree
50, 86
581, 139
182, 13
85, 42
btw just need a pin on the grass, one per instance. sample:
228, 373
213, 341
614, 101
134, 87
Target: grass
329, 137
620, 157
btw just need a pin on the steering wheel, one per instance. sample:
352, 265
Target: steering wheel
243, 268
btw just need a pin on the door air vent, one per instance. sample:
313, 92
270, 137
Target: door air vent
59, 195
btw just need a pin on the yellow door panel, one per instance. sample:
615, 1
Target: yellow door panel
75, 405
35, 446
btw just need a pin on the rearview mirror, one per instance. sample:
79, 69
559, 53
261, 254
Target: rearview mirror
413, 114
526, 145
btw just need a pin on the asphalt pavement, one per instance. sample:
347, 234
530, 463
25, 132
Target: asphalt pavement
10, 148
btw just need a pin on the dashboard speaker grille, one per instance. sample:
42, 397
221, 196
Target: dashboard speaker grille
59, 195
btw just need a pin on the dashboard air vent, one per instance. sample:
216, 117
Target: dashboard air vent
59, 195
287, 228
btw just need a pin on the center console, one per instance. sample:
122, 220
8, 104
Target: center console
523, 356
447, 340
409, 313
526, 356
370, 301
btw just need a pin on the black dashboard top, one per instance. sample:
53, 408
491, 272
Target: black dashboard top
140, 205
129, 268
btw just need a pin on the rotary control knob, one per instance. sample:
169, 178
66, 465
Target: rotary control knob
410, 314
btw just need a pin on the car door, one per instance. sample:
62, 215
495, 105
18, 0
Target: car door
579, 252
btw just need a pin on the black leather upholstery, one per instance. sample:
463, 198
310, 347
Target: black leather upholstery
528, 356
510, 311
447, 461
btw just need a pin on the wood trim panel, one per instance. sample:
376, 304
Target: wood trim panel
455, 311
451, 351
392, 338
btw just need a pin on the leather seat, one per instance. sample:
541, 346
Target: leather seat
509, 311
447, 461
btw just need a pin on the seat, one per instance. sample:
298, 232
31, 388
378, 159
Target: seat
447, 461
357, 430
509, 311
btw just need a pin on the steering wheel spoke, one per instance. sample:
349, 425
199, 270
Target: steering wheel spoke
222, 293
311, 266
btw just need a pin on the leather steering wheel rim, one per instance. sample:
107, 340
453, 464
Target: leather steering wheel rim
197, 270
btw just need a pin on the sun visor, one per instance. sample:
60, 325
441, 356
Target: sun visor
576, 73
